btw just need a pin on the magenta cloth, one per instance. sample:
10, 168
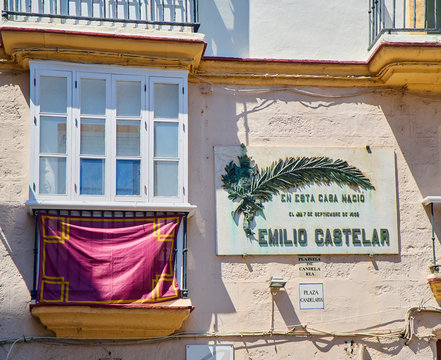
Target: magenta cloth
91, 260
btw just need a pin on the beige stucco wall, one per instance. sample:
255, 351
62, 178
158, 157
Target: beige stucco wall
16, 227
360, 292
230, 293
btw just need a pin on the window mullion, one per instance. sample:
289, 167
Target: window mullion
75, 126
35, 139
183, 139
70, 139
180, 141
110, 140
151, 139
144, 140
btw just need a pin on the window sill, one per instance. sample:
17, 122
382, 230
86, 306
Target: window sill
109, 206
117, 322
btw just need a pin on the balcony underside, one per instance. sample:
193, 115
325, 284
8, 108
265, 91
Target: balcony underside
20, 44
411, 65
114, 322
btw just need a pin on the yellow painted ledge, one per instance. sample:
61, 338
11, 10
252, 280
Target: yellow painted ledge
415, 66
283, 72
22, 44
113, 322
412, 65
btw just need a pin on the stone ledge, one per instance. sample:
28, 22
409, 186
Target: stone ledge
20, 44
114, 322
415, 66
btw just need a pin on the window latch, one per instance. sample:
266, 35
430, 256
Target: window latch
75, 187
145, 189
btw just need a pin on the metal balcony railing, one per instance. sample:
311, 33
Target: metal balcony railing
386, 16
171, 13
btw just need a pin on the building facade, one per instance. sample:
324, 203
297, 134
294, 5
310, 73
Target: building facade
290, 152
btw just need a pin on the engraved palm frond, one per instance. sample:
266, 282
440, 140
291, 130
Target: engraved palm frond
296, 172
250, 187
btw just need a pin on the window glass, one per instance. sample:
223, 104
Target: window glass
127, 177
93, 137
166, 101
127, 138
53, 94
52, 135
92, 177
115, 133
52, 175
166, 178
128, 98
166, 139
93, 96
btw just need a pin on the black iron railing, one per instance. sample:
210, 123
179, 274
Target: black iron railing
159, 13
181, 250
403, 16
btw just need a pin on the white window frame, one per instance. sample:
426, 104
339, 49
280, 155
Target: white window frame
181, 141
148, 77
78, 75
144, 142
35, 134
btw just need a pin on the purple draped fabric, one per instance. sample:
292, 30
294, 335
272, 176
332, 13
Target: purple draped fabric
91, 260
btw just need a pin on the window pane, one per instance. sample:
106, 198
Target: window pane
93, 137
52, 175
52, 135
128, 98
127, 138
166, 178
166, 104
53, 94
92, 177
93, 96
127, 177
166, 139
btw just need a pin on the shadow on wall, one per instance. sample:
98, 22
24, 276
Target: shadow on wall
17, 239
228, 116
416, 125
207, 290
286, 309
16, 270
226, 25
